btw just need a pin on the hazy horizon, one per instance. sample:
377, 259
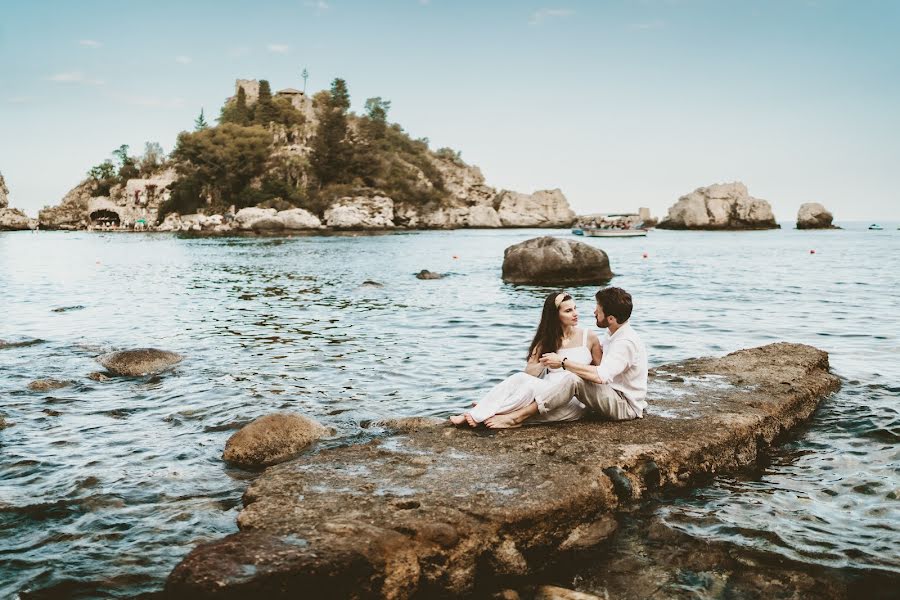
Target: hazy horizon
619, 104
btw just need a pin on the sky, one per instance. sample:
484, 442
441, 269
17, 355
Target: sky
619, 103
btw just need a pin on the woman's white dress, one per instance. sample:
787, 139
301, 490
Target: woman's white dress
517, 391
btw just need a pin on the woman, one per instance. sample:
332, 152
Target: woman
557, 332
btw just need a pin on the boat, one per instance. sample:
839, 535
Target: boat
875, 227
577, 231
599, 232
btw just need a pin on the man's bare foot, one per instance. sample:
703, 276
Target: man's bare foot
470, 420
502, 422
458, 419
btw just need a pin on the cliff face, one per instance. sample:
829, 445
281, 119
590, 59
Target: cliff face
12, 219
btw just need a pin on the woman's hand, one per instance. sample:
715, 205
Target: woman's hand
551, 360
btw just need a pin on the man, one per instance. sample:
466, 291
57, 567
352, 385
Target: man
616, 389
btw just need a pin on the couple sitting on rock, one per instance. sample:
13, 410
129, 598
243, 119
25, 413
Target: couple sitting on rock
570, 371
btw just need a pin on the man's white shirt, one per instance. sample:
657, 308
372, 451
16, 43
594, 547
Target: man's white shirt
624, 366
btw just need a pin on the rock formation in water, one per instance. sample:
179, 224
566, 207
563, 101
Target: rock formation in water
554, 261
405, 184
12, 219
272, 439
139, 362
433, 510
813, 215
720, 206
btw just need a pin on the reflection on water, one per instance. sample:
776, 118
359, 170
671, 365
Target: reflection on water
107, 484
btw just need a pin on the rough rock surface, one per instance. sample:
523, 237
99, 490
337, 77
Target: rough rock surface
71, 212
4, 193
46, 385
720, 206
813, 215
432, 511
553, 261
272, 439
544, 208
139, 362
426, 274
361, 212
12, 219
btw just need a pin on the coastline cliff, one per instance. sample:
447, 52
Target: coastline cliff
287, 161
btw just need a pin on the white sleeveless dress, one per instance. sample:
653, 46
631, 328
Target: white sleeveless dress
518, 391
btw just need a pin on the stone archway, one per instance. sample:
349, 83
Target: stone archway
105, 217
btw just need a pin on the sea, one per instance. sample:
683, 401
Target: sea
105, 485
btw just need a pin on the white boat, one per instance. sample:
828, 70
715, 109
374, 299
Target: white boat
875, 227
598, 232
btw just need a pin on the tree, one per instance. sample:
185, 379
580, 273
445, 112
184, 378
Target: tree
332, 152
266, 112
200, 123
153, 157
221, 162
127, 164
377, 110
340, 96
237, 111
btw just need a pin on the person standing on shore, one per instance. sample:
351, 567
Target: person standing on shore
615, 390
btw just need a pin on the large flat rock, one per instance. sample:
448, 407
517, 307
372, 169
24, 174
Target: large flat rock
433, 510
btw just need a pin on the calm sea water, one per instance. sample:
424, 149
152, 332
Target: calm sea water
107, 485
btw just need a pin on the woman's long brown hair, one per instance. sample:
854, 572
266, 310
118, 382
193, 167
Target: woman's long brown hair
548, 336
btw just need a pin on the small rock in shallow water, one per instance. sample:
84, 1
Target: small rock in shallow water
139, 362
97, 376
371, 284
45, 385
51, 413
426, 274
272, 439
62, 309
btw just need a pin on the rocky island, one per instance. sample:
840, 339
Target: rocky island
290, 162
12, 219
721, 206
434, 511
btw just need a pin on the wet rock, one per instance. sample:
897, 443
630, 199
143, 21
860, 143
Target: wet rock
426, 274
63, 309
407, 424
553, 261
433, 510
51, 413
588, 535
139, 362
552, 592
720, 206
813, 215
45, 385
272, 439
97, 376
371, 284
3, 423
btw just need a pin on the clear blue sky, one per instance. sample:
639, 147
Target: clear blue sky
619, 103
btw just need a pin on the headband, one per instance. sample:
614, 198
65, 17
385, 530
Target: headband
560, 298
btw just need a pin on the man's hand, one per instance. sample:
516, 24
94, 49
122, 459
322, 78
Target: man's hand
551, 360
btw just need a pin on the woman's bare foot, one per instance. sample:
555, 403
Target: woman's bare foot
470, 420
502, 422
458, 419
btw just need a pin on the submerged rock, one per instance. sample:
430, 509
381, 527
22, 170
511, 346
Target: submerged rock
272, 439
45, 385
139, 362
553, 261
430, 511
426, 274
720, 206
813, 215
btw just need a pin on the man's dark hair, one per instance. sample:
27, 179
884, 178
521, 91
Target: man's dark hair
616, 302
